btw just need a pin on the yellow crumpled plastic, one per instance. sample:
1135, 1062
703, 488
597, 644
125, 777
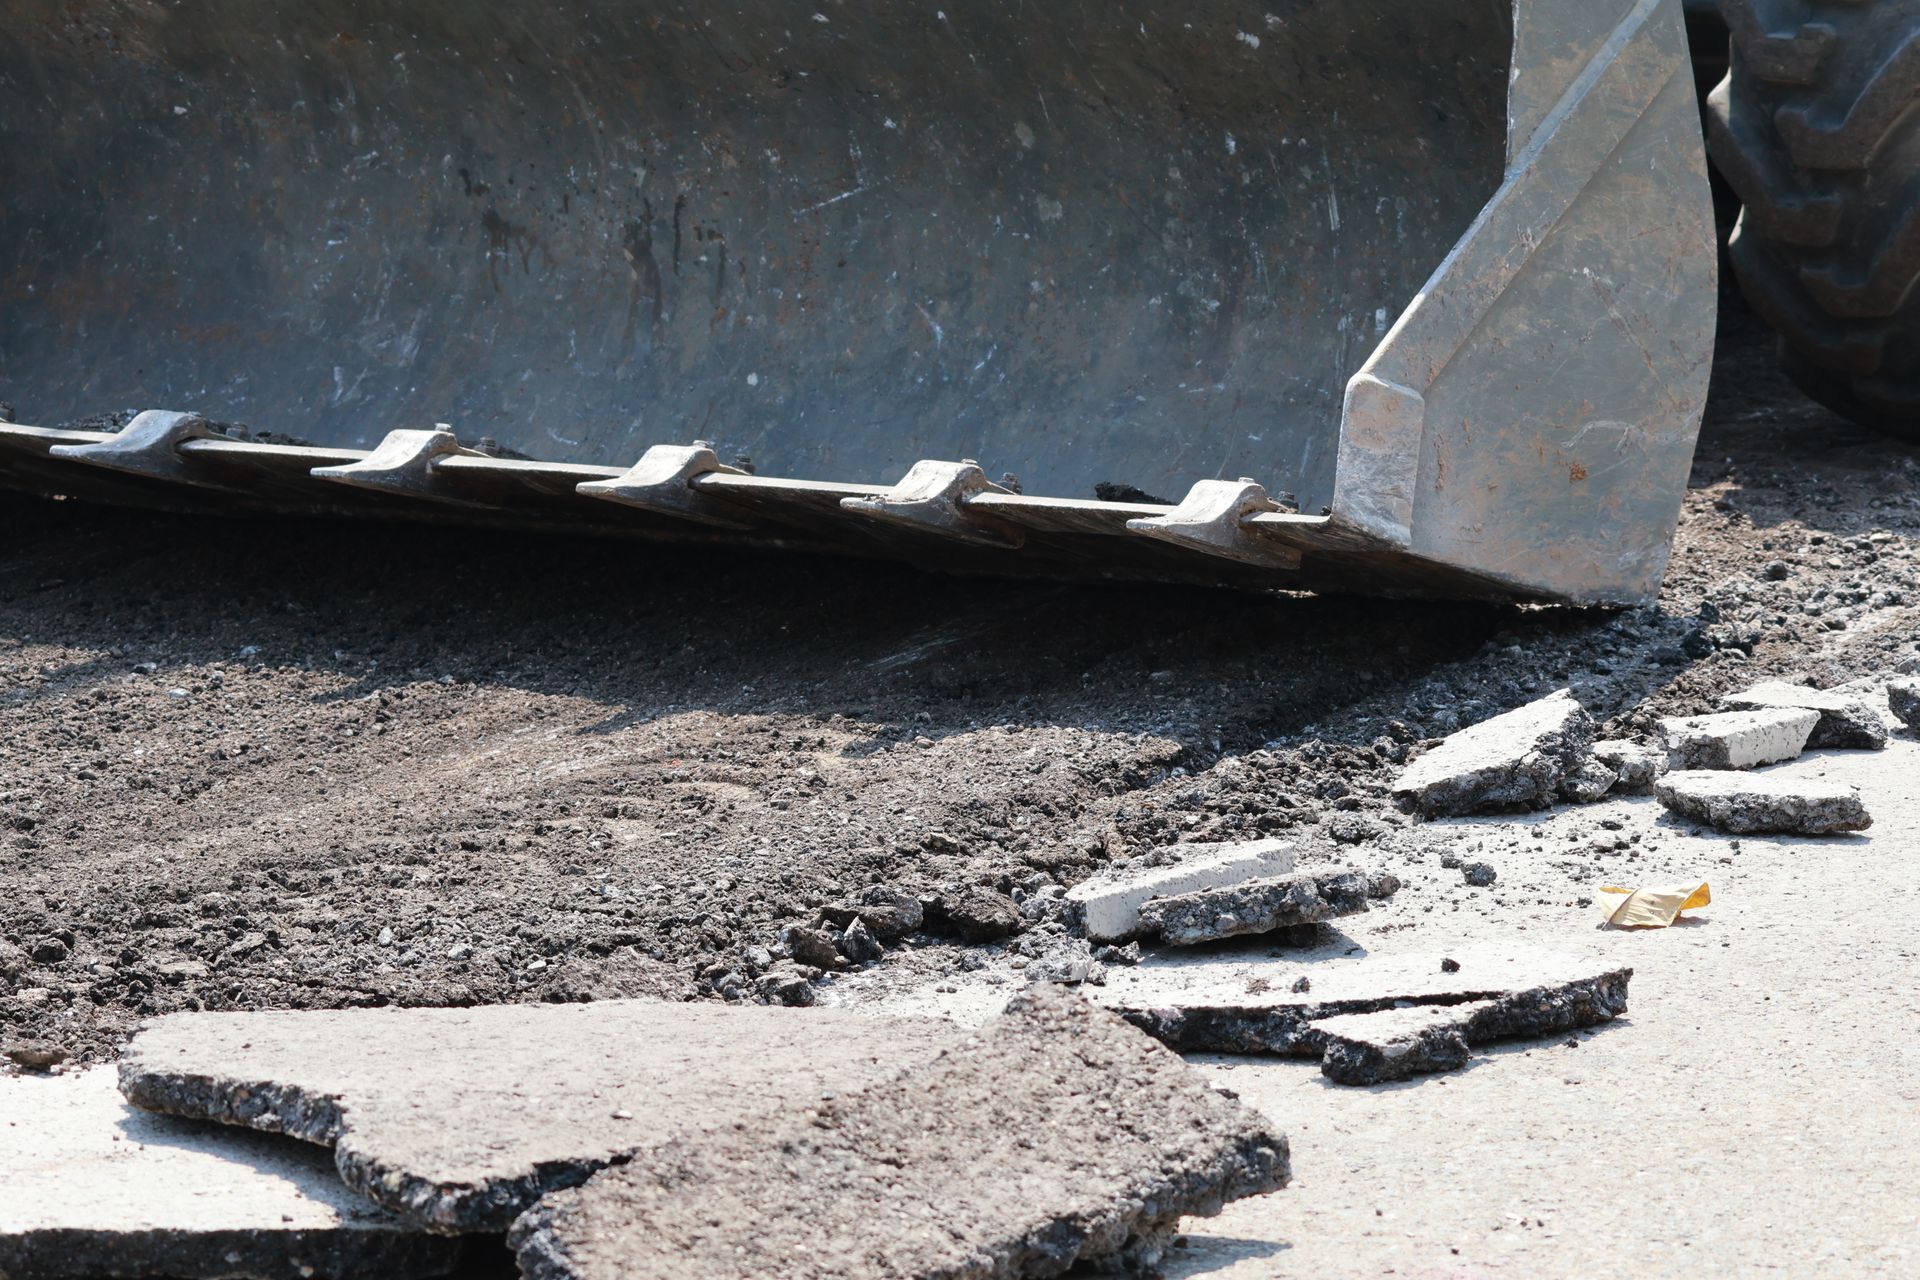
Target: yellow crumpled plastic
1651, 908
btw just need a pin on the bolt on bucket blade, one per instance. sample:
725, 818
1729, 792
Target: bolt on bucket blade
1440, 271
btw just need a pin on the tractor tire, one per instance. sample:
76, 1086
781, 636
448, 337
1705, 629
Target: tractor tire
1817, 129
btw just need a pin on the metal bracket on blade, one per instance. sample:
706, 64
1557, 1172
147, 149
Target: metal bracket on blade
403, 463
1212, 520
662, 483
933, 497
149, 446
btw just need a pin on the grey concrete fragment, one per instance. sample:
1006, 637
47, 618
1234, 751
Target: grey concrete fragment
1904, 697
1110, 904
1737, 739
1845, 721
1589, 782
1752, 804
1636, 767
1262, 906
1520, 760
91, 1187
1240, 1008
458, 1119
1058, 1135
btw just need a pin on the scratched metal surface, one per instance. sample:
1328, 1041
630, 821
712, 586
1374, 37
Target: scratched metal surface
1122, 241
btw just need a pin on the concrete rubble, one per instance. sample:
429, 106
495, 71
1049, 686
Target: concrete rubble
1737, 739
1756, 804
1845, 722
1904, 697
1263, 1008
1636, 767
1291, 902
1529, 758
91, 1187
1056, 1136
459, 1119
1109, 905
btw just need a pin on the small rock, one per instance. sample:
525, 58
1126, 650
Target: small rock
49, 951
1588, 783
1479, 874
1352, 828
1904, 697
14, 961
981, 915
1449, 965
1636, 767
859, 945
36, 1057
787, 986
1302, 985
1746, 804
812, 947
1845, 722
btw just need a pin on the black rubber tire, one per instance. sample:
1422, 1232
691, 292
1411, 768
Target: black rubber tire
1817, 128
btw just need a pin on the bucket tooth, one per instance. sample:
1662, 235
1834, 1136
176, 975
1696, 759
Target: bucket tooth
663, 483
1214, 520
933, 497
148, 446
403, 463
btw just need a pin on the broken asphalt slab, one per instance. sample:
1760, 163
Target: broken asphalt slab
1529, 758
1759, 804
1263, 906
1845, 721
1737, 739
1110, 904
459, 1119
1056, 1135
91, 1187
1274, 1007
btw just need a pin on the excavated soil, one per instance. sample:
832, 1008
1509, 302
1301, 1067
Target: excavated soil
312, 765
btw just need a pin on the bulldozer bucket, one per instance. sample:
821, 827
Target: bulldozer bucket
1407, 296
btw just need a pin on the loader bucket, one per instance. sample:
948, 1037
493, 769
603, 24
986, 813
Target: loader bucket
1408, 296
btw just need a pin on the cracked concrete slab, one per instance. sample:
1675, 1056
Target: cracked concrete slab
1756, 804
1845, 721
1263, 906
1276, 1008
1056, 1135
1110, 904
91, 1187
459, 1119
1737, 739
1524, 759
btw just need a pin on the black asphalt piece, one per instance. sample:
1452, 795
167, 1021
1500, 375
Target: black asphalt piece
1264, 906
459, 1119
1058, 1136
